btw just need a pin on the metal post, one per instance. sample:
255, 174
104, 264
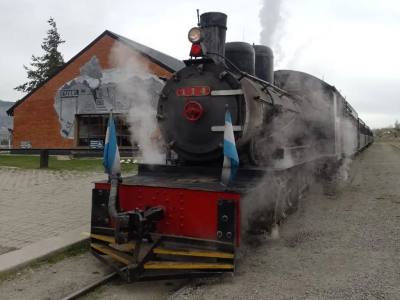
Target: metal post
44, 159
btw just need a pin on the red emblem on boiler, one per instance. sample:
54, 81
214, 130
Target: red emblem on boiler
193, 111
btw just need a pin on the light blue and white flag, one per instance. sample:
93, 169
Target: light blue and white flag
111, 159
231, 158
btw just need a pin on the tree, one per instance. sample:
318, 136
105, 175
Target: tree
42, 67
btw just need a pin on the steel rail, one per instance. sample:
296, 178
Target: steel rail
90, 287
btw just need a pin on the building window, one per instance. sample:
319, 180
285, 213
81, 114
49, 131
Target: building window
92, 130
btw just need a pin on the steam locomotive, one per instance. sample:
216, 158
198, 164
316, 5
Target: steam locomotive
177, 219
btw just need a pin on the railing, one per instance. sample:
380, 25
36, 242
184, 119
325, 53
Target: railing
77, 152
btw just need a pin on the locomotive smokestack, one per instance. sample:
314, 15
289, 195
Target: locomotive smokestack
213, 25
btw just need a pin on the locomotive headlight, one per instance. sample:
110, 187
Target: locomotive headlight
195, 35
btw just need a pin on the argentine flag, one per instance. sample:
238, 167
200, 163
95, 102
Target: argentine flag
111, 157
231, 158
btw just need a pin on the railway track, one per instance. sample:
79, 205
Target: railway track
90, 287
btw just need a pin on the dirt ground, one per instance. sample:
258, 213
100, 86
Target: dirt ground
341, 247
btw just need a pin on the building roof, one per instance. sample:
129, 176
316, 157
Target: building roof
167, 62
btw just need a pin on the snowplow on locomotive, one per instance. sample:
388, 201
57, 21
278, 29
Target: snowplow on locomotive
178, 219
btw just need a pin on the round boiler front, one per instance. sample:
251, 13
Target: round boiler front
191, 115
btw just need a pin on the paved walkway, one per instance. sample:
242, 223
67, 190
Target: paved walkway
38, 204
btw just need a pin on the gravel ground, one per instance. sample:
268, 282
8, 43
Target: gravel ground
341, 247
118, 290
55, 281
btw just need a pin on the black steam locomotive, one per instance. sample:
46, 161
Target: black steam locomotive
270, 111
177, 219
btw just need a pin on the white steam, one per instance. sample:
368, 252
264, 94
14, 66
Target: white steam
141, 88
272, 22
348, 136
290, 35
301, 138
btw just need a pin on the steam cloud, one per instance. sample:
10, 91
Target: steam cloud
273, 192
141, 88
313, 128
274, 20
271, 19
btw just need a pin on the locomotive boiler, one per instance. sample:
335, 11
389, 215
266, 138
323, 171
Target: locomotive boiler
192, 105
177, 219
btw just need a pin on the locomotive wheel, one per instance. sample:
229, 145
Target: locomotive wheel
276, 207
257, 153
284, 192
328, 177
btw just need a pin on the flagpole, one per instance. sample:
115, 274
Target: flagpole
231, 159
114, 177
225, 172
110, 175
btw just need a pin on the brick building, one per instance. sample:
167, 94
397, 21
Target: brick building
71, 108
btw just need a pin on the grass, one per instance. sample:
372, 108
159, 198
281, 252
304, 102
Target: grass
76, 164
70, 251
74, 250
24, 162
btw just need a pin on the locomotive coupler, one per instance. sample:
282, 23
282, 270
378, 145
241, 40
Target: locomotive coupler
137, 224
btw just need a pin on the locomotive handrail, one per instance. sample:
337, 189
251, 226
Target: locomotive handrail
263, 82
244, 74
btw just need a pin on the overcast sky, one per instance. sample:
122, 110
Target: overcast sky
353, 45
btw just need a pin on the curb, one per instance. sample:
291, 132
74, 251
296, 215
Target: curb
394, 145
17, 259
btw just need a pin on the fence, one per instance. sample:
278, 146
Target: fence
45, 153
